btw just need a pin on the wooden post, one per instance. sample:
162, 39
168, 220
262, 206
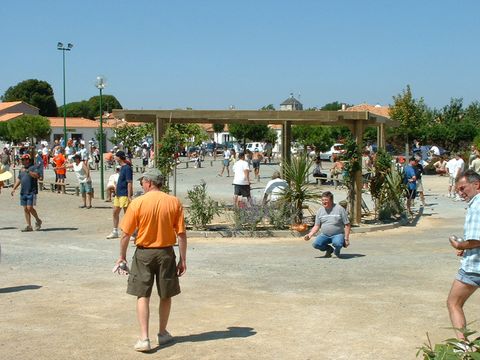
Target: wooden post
286, 140
356, 211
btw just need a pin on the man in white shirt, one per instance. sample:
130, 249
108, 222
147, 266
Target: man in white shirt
241, 180
451, 168
274, 188
459, 168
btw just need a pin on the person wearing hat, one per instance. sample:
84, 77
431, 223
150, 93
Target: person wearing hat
159, 219
28, 179
123, 191
4, 175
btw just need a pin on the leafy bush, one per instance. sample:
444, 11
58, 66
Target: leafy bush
279, 215
202, 208
248, 216
452, 349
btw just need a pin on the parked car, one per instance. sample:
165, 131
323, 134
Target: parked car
255, 146
234, 145
220, 148
336, 148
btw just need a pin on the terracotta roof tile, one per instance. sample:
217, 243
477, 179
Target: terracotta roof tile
7, 104
76, 122
374, 109
9, 116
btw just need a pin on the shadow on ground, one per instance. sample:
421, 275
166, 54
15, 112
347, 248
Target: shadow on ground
232, 332
13, 289
8, 228
60, 229
342, 256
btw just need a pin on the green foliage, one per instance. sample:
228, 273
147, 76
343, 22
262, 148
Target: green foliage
34, 92
218, 127
410, 113
319, 136
131, 135
296, 174
452, 349
245, 132
248, 217
268, 107
271, 136
333, 106
202, 207
28, 127
91, 108
386, 187
279, 215
4, 134
175, 136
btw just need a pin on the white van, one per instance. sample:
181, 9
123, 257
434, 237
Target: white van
255, 146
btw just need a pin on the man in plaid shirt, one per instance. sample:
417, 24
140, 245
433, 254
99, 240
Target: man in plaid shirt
468, 277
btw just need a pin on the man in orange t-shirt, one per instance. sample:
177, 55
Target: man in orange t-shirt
159, 219
60, 170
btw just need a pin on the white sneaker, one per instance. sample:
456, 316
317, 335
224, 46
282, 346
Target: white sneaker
164, 339
113, 235
142, 345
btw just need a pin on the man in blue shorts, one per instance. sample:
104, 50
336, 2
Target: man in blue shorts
467, 280
410, 178
332, 220
28, 179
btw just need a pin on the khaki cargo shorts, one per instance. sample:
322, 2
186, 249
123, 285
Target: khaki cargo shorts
149, 265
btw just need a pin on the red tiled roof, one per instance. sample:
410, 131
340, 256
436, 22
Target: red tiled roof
76, 122
374, 109
7, 104
9, 116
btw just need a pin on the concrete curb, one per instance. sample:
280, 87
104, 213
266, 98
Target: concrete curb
283, 233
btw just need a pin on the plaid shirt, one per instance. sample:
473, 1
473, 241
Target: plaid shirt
471, 231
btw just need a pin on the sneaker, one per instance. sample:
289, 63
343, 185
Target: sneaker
27, 229
142, 345
113, 235
165, 338
329, 251
38, 225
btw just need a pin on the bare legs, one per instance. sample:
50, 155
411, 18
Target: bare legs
30, 211
143, 314
459, 294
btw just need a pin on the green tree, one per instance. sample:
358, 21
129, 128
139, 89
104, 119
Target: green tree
244, 132
307, 135
77, 109
109, 102
410, 113
268, 107
218, 128
333, 106
34, 92
28, 127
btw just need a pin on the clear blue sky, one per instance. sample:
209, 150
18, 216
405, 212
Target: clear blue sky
213, 54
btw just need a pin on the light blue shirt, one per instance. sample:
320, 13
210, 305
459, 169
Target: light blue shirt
471, 231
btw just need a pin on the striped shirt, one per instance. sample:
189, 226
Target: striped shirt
471, 231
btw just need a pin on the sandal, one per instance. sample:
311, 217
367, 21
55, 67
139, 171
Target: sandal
82, 206
89, 207
27, 229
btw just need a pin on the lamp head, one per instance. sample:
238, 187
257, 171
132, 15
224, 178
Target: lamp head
69, 46
101, 82
59, 46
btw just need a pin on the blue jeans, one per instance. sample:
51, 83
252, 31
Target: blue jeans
322, 242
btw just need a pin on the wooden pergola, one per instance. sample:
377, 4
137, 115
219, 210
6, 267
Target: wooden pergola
356, 121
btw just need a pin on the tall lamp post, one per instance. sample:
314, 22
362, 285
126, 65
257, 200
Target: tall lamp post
63, 49
100, 84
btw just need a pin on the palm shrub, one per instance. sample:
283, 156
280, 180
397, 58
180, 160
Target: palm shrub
452, 349
202, 207
298, 192
386, 187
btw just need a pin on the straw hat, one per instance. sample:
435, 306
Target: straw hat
4, 174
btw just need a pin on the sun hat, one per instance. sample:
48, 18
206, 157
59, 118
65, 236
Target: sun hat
4, 174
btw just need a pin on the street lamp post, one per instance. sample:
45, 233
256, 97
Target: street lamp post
100, 84
63, 49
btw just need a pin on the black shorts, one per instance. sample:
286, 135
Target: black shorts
242, 190
256, 164
411, 194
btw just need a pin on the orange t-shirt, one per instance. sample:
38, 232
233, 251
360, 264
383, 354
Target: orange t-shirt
59, 161
158, 218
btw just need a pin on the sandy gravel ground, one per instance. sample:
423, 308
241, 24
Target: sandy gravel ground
241, 298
